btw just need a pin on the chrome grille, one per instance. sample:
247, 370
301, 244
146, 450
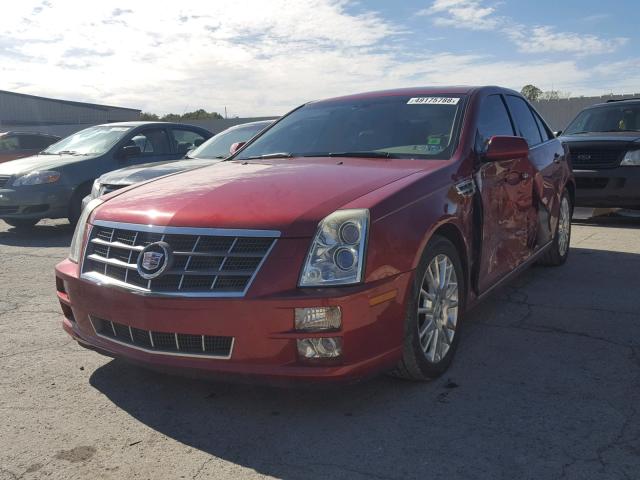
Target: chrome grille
4, 179
206, 262
164, 342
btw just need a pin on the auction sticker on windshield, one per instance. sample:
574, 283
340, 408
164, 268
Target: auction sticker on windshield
433, 101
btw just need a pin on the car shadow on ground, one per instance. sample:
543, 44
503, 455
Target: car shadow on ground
47, 235
538, 375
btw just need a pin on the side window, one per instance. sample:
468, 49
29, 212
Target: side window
493, 120
544, 131
153, 141
523, 118
34, 142
186, 139
9, 144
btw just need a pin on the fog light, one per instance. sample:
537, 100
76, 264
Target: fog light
318, 318
320, 347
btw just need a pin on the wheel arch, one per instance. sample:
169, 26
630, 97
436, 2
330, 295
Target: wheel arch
450, 231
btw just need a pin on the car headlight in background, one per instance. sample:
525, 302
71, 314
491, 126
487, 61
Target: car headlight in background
81, 227
632, 158
336, 256
37, 178
95, 189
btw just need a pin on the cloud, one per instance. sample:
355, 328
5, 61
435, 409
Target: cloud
545, 39
468, 14
475, 15
253, 57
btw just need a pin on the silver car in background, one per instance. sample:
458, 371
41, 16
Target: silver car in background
214, 150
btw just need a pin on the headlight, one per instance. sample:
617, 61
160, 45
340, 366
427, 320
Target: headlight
95, 190
37, 178
632, 158
336, 256
81, 226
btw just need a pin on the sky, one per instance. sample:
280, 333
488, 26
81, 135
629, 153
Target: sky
259, 58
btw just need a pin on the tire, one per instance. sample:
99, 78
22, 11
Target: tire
558, 252
75, 205
420, 359
21, 222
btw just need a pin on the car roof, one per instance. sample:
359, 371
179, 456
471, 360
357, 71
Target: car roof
626, 101
410, 91
259, 123
14, 132
147, 123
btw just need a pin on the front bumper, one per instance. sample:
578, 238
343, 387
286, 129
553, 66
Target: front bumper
264, 339
613, 187
35, 201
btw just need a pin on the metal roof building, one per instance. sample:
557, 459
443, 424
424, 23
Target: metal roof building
20, 110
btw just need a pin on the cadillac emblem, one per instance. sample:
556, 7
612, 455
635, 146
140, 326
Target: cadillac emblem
154, 260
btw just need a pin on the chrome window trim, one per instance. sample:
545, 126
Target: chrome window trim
160, 352
213, 232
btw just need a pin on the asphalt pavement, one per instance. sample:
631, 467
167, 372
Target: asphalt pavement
546, 385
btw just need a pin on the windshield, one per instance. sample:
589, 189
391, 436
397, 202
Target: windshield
90, 141
422, 127
610, 118
219, 145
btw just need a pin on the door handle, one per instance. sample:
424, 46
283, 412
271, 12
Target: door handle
556, 158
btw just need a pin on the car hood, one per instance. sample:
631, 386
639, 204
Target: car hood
148, 171
39, 162
592, 137
288, 195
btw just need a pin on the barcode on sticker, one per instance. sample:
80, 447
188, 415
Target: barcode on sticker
433, 101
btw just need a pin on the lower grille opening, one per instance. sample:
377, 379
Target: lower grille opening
8, 210
182, 343
592, 183
36, 208
68, 313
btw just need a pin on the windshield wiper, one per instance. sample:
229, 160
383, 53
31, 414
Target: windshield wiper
66, 152
358, 154
268, 155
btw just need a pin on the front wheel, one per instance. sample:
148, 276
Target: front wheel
21, 222
434, 313
558, 252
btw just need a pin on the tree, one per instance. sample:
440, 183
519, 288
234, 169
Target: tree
148, 116
200, 114
531, 92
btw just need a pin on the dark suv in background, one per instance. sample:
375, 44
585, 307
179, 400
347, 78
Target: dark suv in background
604, 142
53, 183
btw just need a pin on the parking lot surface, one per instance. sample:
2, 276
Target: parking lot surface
545, 385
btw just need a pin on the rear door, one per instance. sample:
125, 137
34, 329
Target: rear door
155, 146
546, 153
185, 139
505, 188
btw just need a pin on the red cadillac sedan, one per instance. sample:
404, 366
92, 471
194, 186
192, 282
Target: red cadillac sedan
347, 239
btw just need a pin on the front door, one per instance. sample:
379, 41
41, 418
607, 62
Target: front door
508, 213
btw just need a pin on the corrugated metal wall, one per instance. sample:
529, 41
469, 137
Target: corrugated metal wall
17, 109
558, 113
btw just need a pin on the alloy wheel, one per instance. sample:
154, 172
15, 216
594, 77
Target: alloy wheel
564, 226
438, 308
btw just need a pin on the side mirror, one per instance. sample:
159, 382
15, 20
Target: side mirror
130, 151
235, 147
558, 133
505, 148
